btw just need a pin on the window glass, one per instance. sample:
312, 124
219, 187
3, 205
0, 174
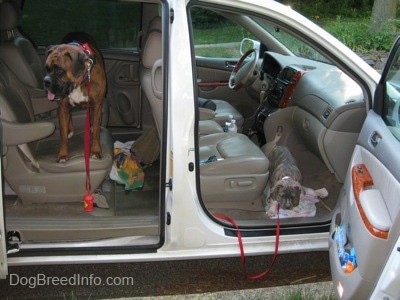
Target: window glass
293, 44
113, 24
391, 106
215, 35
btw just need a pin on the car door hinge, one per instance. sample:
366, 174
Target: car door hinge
168, 222
169, 184
13, 241
171, 15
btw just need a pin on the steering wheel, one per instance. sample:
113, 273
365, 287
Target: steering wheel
243, 73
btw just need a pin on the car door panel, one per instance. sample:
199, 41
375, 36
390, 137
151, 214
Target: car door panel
123, 88
371, 249
369, 208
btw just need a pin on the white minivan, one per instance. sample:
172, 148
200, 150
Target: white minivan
177, 179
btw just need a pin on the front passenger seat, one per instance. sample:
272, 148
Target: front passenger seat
232, 167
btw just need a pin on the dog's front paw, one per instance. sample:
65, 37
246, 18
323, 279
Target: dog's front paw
96, 155
95, 150
62, 159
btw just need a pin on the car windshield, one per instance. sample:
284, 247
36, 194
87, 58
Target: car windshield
293, 44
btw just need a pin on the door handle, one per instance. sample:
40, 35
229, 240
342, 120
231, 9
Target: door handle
230, 64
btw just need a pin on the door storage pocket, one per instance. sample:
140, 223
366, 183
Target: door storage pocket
349, 281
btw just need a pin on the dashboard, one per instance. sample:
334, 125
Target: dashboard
320, 88
315, 103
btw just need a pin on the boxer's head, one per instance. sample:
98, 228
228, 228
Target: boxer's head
66, 66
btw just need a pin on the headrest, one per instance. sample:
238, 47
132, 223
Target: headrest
10, 16
155, 23
152, 49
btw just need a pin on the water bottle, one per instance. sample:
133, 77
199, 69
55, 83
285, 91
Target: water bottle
226, 127
228, 123
233, 126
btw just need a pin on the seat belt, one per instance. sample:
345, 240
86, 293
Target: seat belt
28, 154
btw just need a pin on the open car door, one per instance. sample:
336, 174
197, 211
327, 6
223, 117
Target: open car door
3, 250
364, 240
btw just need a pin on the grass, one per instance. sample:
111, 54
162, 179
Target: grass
305, 296
355, 33
224, 34
296, 295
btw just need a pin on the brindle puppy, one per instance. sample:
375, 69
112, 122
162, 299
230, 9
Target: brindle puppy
285, 181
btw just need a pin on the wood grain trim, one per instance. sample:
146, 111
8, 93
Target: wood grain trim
289, 90
212, 84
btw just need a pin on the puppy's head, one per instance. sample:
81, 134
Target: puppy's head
65, 69
286, 192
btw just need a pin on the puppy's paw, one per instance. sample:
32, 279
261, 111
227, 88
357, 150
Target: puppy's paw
296, 209
271, 213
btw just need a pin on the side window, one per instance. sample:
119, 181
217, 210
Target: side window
215, 35
391, 106
113, 24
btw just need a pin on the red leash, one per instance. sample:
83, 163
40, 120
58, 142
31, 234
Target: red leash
242, 255
88, 198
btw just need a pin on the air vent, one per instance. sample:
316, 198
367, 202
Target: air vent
327, 112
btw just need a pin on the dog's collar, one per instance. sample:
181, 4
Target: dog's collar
85, 48
92, 60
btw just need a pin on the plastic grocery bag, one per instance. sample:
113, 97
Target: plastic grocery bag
126, 168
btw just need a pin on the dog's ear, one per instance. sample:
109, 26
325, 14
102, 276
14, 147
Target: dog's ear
275, 191
78, 62
50, 49
298, 191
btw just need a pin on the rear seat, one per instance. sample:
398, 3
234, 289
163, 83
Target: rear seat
30, 151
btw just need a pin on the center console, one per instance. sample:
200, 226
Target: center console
284, 86
279, 96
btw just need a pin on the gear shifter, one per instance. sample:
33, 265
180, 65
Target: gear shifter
262, 96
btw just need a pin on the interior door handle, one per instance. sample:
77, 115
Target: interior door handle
230, 64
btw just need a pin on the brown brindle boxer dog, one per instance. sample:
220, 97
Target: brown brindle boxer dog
75, 76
